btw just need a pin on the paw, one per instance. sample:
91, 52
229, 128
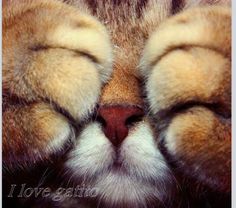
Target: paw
33, 133
187, 66
53, 55
54, 52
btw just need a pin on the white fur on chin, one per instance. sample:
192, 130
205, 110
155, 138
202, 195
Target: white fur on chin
143, 173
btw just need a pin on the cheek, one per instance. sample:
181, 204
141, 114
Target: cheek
141, 154
92, 154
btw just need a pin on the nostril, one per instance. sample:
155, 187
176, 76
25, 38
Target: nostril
116, 121
101, 120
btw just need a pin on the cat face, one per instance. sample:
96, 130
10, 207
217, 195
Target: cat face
130, 95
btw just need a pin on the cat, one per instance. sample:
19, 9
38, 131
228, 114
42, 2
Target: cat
130, 99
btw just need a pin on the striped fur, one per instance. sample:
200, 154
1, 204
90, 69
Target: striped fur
62, 59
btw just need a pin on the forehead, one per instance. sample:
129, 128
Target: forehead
130, 23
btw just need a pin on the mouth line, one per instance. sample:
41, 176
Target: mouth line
117, 164
117, 161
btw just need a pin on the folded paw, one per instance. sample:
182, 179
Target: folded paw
33, 133
187, 66
52, 54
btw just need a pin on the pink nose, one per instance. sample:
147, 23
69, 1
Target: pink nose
117, 120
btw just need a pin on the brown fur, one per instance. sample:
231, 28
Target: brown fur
50, 83
185, 58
